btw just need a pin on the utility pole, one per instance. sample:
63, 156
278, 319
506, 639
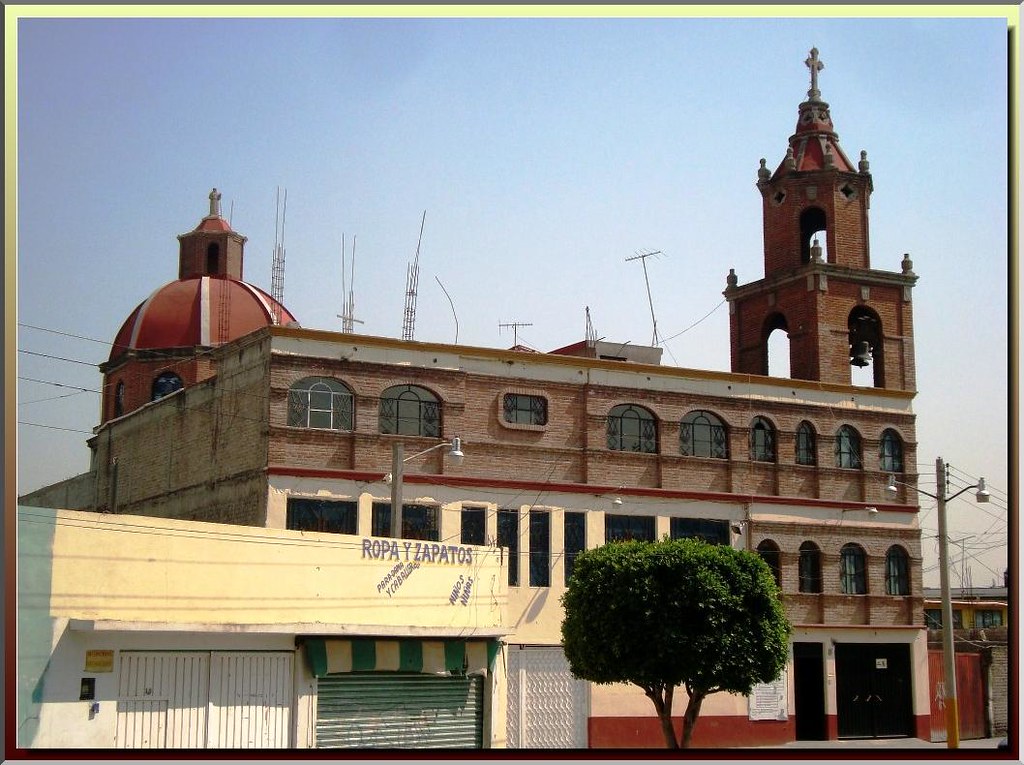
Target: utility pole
948, 656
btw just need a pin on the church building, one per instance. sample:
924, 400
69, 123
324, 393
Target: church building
218, 407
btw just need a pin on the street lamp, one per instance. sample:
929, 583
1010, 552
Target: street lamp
455, 454
949, 661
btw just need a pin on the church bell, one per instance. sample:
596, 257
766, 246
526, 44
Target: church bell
861, 355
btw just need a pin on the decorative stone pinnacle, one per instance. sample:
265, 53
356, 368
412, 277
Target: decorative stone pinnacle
732, 280
763, 173
214, 203
815, 65
908, 264
864, 166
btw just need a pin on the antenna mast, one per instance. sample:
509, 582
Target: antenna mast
411, 285
591, 333
642, 257
277, 268
348, 305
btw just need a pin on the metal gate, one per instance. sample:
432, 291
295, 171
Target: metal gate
198, 699
399, 710
970, 695
874, 692
547, 706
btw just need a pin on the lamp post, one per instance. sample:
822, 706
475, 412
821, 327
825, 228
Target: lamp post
398, 460
948, 656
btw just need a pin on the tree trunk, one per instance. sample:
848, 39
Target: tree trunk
662, 699
690, 717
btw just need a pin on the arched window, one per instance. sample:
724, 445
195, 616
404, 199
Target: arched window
320, 402
409, 410
847, 448
165, 384
810, 567
119, 399
853, 579
702, 434
812, 226
897, 571
769, 552
762, 440
632, 429
806, 444
212, 256
890, 450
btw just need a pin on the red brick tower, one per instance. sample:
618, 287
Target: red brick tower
834, 308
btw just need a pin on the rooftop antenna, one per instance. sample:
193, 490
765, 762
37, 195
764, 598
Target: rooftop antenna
277, 268
591, 333
411, 285
642, 257
452, 304
348, 304
515, 325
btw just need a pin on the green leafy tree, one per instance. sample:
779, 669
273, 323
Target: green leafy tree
675, 612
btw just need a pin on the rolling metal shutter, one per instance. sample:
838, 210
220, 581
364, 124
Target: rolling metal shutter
399, 710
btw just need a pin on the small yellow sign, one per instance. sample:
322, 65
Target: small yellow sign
99, 661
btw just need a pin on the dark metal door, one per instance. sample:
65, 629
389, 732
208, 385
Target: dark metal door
809, 690
874, 692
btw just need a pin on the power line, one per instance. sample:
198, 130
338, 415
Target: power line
57, 358
54, 427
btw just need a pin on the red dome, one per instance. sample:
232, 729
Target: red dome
199, 311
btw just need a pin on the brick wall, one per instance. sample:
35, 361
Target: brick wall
998, 689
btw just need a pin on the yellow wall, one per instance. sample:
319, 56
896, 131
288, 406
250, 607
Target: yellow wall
146, 570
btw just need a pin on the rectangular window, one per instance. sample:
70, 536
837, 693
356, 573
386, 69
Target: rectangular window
418, 521
575, 539
521, 409
958, 619
321, 515
473, 525
988, 618
711, 531
508, 536
540, 548
933, 618
621, 528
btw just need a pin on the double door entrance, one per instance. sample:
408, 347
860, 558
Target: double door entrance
874, 690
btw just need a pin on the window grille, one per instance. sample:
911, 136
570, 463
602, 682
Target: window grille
702, 434
632, 429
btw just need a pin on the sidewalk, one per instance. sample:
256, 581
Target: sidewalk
877, 744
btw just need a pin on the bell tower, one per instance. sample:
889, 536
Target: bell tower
819, 288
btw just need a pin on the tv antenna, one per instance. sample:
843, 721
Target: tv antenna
642, 257
348, 304
411, 285
515, 325
277, 268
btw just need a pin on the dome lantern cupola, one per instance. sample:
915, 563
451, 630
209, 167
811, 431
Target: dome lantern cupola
211, 248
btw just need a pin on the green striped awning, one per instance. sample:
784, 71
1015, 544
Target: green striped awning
472, 657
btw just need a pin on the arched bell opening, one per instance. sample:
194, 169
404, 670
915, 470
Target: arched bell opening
813, 235
867, 357
776, 347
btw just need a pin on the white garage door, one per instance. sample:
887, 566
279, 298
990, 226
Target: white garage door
197, 699
547, 706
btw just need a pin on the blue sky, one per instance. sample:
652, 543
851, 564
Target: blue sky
545, 153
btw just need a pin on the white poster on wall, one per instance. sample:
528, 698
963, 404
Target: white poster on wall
769, 701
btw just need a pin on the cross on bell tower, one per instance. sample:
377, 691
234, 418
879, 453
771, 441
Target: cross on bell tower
815, 65
819, 288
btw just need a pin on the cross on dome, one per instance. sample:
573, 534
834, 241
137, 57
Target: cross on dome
815, 65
